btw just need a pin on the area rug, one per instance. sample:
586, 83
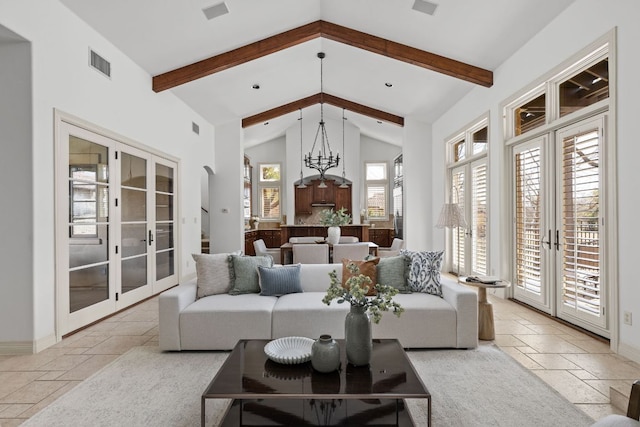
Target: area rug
146, 387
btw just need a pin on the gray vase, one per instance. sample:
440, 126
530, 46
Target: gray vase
357, 334
325, 354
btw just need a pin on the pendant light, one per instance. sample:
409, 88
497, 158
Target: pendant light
344, 181
301, 185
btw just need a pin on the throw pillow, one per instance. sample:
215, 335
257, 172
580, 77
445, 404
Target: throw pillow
424, 273
213, 274
244, 273
392, 271
368, 268
277, 281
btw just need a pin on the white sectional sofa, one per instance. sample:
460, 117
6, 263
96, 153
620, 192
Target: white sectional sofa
217, 322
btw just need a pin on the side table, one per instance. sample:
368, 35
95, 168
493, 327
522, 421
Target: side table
486, 328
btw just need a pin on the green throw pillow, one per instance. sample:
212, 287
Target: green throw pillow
392, 271
244, 273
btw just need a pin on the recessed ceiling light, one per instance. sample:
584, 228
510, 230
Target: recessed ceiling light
215, 10
379, 122
256, 86
388, 84
425, 7
265, 123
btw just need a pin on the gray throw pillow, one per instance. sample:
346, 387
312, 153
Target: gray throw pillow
392, 271
276, 281
213, 274
424, 273
244, 273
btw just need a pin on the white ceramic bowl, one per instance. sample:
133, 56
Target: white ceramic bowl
289, 350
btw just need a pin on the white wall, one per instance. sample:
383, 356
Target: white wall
274, 151
579, 25
16, 181
124, 104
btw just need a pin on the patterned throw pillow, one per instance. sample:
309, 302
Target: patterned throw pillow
368, 268
244, 273
392, 271
277, 281
213, 274
424, 273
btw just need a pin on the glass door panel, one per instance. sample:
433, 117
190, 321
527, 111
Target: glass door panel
165, 226
134, 220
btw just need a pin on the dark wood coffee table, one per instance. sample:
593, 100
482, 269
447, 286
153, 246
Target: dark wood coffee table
269, 393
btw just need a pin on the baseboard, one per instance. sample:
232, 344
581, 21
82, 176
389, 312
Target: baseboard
629, 352
14, 348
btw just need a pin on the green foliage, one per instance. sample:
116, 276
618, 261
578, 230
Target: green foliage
331, 218
355, 291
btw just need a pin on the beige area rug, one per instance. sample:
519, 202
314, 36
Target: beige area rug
145, 387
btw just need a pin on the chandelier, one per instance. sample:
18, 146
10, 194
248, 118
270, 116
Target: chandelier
321, 162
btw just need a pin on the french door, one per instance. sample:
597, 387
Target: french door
558, 225
115, 228
469, 191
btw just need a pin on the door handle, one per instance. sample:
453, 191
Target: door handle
548, 242
150, 237
557, 243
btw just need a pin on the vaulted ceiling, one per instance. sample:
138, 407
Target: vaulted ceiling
384, 60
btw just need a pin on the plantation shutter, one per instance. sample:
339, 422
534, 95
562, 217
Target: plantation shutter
580, 213
528, 214
479, 219
458, 233
271, 202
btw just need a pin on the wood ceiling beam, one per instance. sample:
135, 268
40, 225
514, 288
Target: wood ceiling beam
330, 31
319, 98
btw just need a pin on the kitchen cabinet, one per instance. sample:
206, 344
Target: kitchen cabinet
249, 238
381, 236
343, 198
303, 200
323, 195
271, 238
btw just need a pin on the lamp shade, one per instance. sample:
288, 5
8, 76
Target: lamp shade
451, 216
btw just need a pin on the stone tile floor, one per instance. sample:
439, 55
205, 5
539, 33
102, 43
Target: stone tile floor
579, 367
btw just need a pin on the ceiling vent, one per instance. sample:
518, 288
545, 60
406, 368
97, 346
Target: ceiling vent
100, 64
425, 7
215, 10
195, 128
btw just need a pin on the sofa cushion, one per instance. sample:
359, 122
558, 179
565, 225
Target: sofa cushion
276, 281
305, 315
244, 273
213, 274
219, 321
424, 272
392, 271
366, 267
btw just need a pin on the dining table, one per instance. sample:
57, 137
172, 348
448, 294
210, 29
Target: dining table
286, 250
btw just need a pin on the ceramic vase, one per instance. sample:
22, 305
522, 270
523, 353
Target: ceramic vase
325, 354
333, 235
357, 334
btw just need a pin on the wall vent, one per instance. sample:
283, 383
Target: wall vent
425, 7
215, 10
100, 64
195, 128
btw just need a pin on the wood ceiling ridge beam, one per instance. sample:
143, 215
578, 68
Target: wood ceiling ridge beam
408, 54
235, 57
317, 99
330, 31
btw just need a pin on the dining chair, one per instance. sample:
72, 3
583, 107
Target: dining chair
393, 250
311, 254
262, 250
353, 251
348, 239
305, 239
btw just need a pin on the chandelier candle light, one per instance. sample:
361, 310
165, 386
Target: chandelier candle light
322, 162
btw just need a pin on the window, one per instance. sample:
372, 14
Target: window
530, 115
269, 189
376, 191
584, 88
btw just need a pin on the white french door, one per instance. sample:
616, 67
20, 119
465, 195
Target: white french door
115, 229
558, 233
469, 191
